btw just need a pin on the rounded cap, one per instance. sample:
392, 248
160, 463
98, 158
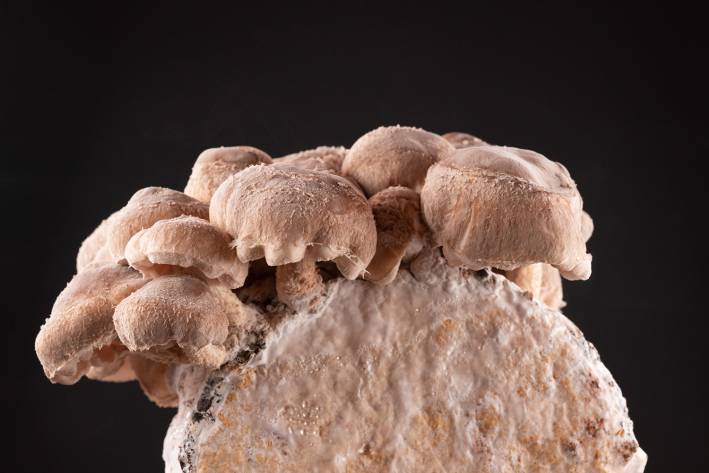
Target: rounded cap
214, 165
322, 158
492, 206
397, 213
190, 243
463, 140
79, 333
394, 156
146, 207
179, 319
281, 212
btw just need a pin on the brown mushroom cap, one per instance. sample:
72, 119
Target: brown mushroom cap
146, 207
281, 212
214, 165
322, 158
463, 140
397, 213
179, 319
94, 249
79, 333
492, 206
394, 156
186, 242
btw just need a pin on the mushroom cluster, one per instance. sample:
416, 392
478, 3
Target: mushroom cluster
193, 278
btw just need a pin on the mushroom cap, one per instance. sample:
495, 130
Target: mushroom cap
94, 249
397, 213
179, 319
214, 165
282, 212
463, 140
394, 156
186, 242
322, 158
79, 332
492, 206
146, 207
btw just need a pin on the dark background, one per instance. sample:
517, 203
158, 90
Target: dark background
98, 103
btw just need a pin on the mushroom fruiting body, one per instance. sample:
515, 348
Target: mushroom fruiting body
492, 206
214, 165
400, 230
185, 244
322, 158
146, 207
394, 156
79, 334
181, 319
292, 215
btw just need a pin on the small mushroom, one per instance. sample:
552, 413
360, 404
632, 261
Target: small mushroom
463, 140
394, 156
79, 333
400, 231
322, 158
94, 248
146, 207
291, 215
181, 319
214, 165
187, 244
500, 207
541, 280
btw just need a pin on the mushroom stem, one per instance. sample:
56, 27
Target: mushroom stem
299, 284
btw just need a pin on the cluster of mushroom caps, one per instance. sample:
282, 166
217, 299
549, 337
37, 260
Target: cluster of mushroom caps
186, 278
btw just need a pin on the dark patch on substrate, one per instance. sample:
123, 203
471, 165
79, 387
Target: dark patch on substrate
211, 397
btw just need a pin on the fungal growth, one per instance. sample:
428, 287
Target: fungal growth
215, 165
186, 244
146, 207
400, 231
300, 310
322, 158
294, 218
494, 206
394, 156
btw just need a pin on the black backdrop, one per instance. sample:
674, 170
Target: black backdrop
97, 103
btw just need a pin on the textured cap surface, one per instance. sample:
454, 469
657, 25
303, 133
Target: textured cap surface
189, 243
322, 158
179, 319
394, 156
146, 207
214, 165
492, 206
281, 212
79, 332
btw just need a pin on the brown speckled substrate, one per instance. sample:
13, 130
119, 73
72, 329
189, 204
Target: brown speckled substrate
443, 370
